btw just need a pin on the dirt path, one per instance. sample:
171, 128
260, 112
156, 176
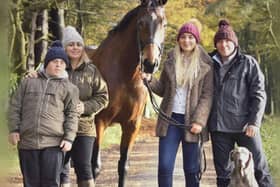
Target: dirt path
143, 164
143, 167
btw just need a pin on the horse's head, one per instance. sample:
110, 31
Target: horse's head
151, 22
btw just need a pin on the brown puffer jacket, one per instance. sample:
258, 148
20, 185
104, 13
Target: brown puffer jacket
199, 97
93, 93
43, 111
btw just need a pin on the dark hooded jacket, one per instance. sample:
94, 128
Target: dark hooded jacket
239, 98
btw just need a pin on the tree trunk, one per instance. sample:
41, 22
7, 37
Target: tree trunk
80, 17
269, 110
31, 43
41, 36
12, 34
18, 53
55, 26
61, 21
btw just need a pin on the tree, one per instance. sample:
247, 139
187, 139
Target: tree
30, 34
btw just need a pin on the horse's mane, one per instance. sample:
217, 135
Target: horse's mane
125, 21
128, 17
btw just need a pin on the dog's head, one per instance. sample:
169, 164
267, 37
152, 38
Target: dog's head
241, 157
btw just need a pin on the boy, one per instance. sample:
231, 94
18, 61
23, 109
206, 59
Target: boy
43, 120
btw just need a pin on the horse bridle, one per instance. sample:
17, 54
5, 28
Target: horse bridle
146, 65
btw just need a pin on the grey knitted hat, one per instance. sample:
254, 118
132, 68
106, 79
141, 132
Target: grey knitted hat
70, 34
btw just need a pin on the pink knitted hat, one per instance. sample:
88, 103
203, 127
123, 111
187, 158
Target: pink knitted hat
189, 28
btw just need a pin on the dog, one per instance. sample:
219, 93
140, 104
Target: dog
243, 168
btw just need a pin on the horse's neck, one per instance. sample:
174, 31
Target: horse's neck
127, 39
129, 57
122, 49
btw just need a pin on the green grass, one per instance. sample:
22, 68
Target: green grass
270, 132
8, 153
112, 136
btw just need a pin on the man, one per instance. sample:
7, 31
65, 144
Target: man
238, 106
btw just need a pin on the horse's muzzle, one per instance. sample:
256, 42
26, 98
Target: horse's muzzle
149, 67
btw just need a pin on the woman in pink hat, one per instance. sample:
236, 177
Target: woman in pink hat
186, 88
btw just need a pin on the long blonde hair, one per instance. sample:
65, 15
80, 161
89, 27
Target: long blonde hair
186, 69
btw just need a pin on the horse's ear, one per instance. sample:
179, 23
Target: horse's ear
162, 2
158, 2
144, 2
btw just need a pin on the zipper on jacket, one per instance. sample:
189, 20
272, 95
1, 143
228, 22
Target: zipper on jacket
40, 110
70, 75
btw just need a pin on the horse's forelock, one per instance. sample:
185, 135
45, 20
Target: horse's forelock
155, 3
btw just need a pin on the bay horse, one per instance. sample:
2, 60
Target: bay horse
134, 45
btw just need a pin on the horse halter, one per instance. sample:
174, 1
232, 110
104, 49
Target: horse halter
146, 65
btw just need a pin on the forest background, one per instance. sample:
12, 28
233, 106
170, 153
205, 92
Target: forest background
28, 26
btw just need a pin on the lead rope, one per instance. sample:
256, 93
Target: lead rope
202, 156
172, 121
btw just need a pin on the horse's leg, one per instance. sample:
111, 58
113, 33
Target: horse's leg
96, 156
129, 134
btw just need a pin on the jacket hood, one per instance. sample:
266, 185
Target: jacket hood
215, 51
43, 73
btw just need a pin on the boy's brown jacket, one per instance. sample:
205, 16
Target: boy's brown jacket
43, 111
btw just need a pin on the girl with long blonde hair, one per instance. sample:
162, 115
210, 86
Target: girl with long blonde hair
186, 85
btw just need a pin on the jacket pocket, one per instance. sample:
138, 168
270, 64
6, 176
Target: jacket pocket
235, 96
86, 124
235, 120
54, 105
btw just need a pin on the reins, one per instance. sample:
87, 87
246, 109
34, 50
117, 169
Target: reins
173, 122
144, 65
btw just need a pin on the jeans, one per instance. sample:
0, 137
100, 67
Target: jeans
81, 155
65, 173
168, 147
41, 167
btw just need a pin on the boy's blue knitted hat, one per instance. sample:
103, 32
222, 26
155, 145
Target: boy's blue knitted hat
56, 51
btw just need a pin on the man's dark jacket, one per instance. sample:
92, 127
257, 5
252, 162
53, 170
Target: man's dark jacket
239, 98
